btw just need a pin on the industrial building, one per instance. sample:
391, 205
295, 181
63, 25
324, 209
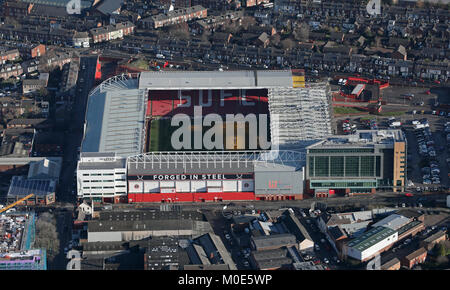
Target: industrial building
116, 227
371, 243
44, 190
136, 104
357, 164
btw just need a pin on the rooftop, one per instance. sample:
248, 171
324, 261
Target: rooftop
393, 221
362, 138
215, 79
370, 238
21, 187
279, 240
115, 118
178, 12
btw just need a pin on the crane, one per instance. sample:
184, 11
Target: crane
16, 203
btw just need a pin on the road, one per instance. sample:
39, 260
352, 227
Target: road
74, 135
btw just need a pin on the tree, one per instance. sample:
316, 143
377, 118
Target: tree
47, 236
247, 21
180, 31
441, 250
301, 32
288, 43
275, 39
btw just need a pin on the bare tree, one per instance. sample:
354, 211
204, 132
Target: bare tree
247, 21
275, 39
180, 31
301, 32
288, 43
46, 235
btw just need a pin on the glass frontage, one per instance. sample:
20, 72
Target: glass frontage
344, 184
352, 166
337, 165
322, 166
351, 150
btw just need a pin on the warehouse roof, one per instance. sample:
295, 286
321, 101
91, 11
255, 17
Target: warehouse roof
370, 238
408, 226
280, 240
269, 254
295, 227
393, 221
142, 225
145, 215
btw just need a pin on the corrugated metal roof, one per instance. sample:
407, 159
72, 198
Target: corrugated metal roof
115, 120
215, 79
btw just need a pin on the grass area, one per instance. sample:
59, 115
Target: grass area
392, 114
140, 63
161, 134
347, 110
370, 117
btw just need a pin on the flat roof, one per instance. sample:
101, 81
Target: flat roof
118, 163
361, 138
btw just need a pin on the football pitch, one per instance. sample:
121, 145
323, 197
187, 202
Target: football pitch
161, 134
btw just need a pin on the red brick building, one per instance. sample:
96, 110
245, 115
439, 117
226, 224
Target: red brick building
8, 55
37, 50
417, 257
176, 17
16, 9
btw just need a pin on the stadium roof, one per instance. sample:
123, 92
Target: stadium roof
215, 79
115, 118
211, 161
59, 3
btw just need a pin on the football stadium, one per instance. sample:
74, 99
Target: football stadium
261, 123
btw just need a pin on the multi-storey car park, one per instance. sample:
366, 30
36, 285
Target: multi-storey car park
126, 153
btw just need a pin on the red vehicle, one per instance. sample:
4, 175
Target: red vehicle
437, 82
421, 80
408, 194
